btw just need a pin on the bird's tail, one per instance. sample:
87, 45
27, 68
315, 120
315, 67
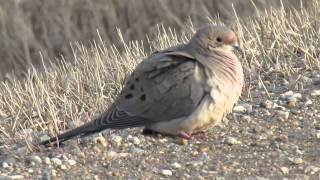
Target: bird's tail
112, 119
84, 130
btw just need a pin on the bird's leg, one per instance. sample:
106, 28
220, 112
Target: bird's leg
196, 135
199, 134
185, 135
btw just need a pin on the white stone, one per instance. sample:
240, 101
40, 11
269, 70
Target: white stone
239, 109
176, 165
56, 161
295, 160
311, 169
282, 114
116, 140
315, 93
71, 162
136, 140
166, 172
5, 165
285, 170
231, 141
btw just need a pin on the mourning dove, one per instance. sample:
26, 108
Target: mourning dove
181, 90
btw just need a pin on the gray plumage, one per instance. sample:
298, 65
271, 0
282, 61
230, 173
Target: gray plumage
180, 90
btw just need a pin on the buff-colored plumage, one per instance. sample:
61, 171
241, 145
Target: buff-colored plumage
178, 91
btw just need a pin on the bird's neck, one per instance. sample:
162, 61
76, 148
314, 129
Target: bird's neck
221, 64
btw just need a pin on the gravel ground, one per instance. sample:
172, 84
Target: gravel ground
276, 137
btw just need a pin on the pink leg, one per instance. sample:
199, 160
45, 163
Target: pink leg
200, 135
185, 135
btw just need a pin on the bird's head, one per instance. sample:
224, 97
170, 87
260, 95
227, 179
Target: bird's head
213, 37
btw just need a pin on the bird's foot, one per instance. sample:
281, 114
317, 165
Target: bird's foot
185, 135
199, 135
196, 135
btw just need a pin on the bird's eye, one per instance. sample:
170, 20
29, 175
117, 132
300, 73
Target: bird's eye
219, 39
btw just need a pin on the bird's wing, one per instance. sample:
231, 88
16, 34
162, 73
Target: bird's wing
166, 86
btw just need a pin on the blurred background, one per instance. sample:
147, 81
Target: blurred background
28, 27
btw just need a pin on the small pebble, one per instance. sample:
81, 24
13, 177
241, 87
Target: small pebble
112, 154
136, 150
115, 173
53, 173
282, 115
219, 178
256, 178
296, 149
204, 149
231, 141
246, 118
5, 165
12, 177
116, 140
43, 137
183, 141
248, 107
100, 140
46, 175
317, 134
267, 104
129, 137
278, 107
22, 151
136, 141
10, 160
292, 104
34, 159
63, 167
315, 93
291, 96
286, 94
30, 170
56, 161
295, 161
71, 162
204, 158
163, 140
282, 138
47, 160
239, 109
166, 172
284, 170
176, 165
195, 163
311, 169
308, 102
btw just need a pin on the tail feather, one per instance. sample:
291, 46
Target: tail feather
114, 119
81, 131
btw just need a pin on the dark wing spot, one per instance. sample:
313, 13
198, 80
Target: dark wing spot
143, 97
141, 89
132, 87
128, 96
137, 79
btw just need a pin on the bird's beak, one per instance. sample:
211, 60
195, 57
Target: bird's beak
238, 48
